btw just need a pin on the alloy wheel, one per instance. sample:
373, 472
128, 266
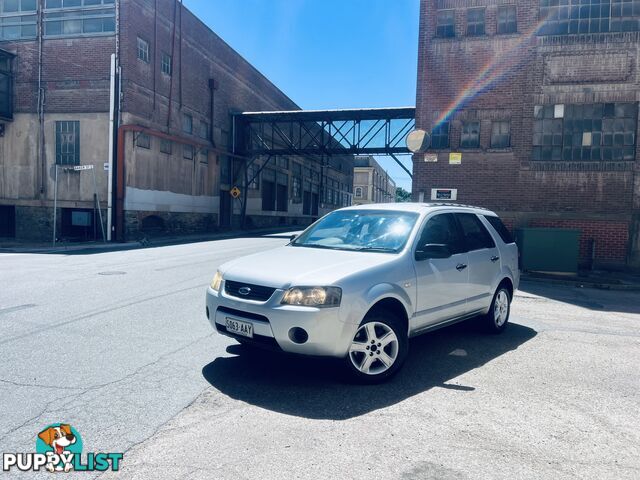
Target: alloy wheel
501, 308
374, 348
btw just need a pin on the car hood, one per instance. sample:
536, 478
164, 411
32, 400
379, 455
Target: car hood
288, 266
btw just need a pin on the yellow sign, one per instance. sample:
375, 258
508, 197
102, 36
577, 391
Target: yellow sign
455, 158
235, 192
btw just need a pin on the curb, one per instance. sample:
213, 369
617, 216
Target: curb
156, 242
578, 284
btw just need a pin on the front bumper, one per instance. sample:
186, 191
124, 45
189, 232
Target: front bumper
328, 334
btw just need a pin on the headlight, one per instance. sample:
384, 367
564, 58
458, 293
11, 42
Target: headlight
217, 280
313, 296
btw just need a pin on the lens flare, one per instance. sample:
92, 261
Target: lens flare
504, 62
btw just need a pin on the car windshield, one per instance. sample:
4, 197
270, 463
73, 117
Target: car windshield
361, 230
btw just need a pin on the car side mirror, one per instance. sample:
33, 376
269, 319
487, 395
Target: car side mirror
433, 250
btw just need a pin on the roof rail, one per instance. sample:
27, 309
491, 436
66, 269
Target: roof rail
442, 204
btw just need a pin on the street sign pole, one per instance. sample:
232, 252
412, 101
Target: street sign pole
95, 189
55, 205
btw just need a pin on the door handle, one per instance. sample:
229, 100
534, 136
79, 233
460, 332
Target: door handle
461, 266
495, 258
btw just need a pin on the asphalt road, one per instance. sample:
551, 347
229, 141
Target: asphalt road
117, 345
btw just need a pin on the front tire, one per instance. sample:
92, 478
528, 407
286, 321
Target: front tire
378, 349
495, 321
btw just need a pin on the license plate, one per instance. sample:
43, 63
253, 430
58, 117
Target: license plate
244, 329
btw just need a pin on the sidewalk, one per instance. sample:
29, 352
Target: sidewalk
602, 280
97, 247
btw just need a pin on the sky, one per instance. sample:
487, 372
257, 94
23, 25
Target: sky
327, 54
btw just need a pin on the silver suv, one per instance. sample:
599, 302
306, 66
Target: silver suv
361, 281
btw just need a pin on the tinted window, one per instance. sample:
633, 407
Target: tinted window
497, 224
475, 235
442, 230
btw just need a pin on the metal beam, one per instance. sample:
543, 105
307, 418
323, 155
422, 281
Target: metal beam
324, 132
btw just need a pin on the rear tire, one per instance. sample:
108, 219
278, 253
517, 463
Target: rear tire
378, 349
496, 320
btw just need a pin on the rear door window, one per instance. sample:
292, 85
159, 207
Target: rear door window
499, 227
476, 236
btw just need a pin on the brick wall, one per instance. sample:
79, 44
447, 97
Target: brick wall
75, 73
198, 55
502, 77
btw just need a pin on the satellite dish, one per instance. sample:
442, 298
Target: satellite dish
418, 141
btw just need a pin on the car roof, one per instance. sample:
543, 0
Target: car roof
420, 207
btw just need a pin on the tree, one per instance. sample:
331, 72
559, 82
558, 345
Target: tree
402, 195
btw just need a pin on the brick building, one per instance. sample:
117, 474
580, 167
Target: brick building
371, 182
540, 98
173, 166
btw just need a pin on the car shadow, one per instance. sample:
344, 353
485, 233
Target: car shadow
585, 297
316, 388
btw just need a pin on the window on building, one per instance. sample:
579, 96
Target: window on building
282, 192
358, 192
187, 123
296, 182
268, 190
17, 19
6, 86
204, 156
597, 131
143, 50
593, 16
68, 143
507, 19
475, 21
79, 17
253, 176
188, 152
225, 170
166, 65
440, 136
501, 134
470, 135
446, 24
143, 140
165, 146
282, 162
204, 131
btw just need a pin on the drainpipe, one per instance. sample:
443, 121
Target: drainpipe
40, 108
213, 86
112, 120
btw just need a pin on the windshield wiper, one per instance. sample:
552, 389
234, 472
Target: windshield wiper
376, 249
315, 245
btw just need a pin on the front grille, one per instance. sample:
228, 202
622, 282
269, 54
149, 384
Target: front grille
241, 314
257, 292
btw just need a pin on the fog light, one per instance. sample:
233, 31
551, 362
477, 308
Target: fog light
298, 335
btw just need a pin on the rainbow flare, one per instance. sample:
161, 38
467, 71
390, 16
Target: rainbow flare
502, 63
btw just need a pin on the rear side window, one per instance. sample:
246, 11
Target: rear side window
497, 224
475, 234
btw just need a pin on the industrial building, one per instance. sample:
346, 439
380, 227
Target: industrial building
371, 183
139, 96
533, 109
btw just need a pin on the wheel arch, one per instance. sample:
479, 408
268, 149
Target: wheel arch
508, 283
392, 304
